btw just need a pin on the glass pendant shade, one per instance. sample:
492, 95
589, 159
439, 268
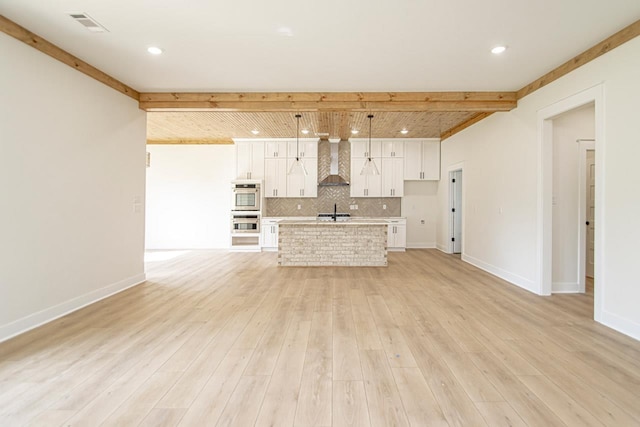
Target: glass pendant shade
369, 167
297, 168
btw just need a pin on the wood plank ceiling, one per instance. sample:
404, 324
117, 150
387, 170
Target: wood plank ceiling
220, 127
209, 118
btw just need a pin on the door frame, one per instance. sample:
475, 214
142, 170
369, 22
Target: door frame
544, 260
454, 168
583, 147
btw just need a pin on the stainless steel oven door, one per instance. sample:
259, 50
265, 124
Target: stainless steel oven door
246, 199
245, 224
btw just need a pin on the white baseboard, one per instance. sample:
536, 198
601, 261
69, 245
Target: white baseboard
443, 248
427, 245
47, 315
620, 324
510, 277
565, 288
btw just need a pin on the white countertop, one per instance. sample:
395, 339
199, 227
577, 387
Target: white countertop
313, 218
352, 221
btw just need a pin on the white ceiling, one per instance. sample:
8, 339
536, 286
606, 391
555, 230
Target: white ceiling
337, 45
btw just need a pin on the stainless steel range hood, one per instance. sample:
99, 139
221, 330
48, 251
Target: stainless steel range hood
335, 177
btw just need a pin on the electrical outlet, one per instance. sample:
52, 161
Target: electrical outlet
137, 204
356, 207
384, 206
299, 207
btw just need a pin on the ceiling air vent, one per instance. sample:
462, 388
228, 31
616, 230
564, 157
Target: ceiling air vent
88, 22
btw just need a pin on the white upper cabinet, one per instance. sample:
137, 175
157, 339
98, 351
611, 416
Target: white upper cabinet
392, 174
360, 147
249, 159
301, 185
422, 160
276, 148
392, 147
275, 177
413, 160
364, 185
278, 155
308, 149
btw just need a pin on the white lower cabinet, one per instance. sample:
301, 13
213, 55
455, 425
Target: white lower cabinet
269, 234
397, 235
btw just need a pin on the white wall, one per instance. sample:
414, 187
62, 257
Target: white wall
567, 128
499, 204
420, 203
501, 164
71, 165
189, 196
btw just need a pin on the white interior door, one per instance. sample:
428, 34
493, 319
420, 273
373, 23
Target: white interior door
455, 179
591, 207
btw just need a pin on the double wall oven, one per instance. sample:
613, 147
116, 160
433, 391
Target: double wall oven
245, 212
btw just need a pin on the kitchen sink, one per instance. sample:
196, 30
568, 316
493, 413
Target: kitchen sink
338, 216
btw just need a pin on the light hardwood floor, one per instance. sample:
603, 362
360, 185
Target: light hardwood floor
217, 338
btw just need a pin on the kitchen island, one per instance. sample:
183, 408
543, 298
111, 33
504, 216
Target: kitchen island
352, 243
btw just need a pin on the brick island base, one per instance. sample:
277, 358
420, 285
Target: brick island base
325, 243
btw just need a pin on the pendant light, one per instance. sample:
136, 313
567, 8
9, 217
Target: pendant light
297, 167
369, 167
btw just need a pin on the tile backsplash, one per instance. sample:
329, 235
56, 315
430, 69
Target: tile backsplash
327, 196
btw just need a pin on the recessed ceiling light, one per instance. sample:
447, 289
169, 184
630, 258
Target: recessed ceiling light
498, 50
154, 50
285, 32
305, 131
404, 131
354, 131
255, 131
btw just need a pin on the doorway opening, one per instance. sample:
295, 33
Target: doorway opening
572, 133
455, 209
562, 197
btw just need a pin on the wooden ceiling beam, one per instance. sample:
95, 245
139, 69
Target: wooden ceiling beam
630, 32
20, 33
335, 101
192, 141
325, 96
